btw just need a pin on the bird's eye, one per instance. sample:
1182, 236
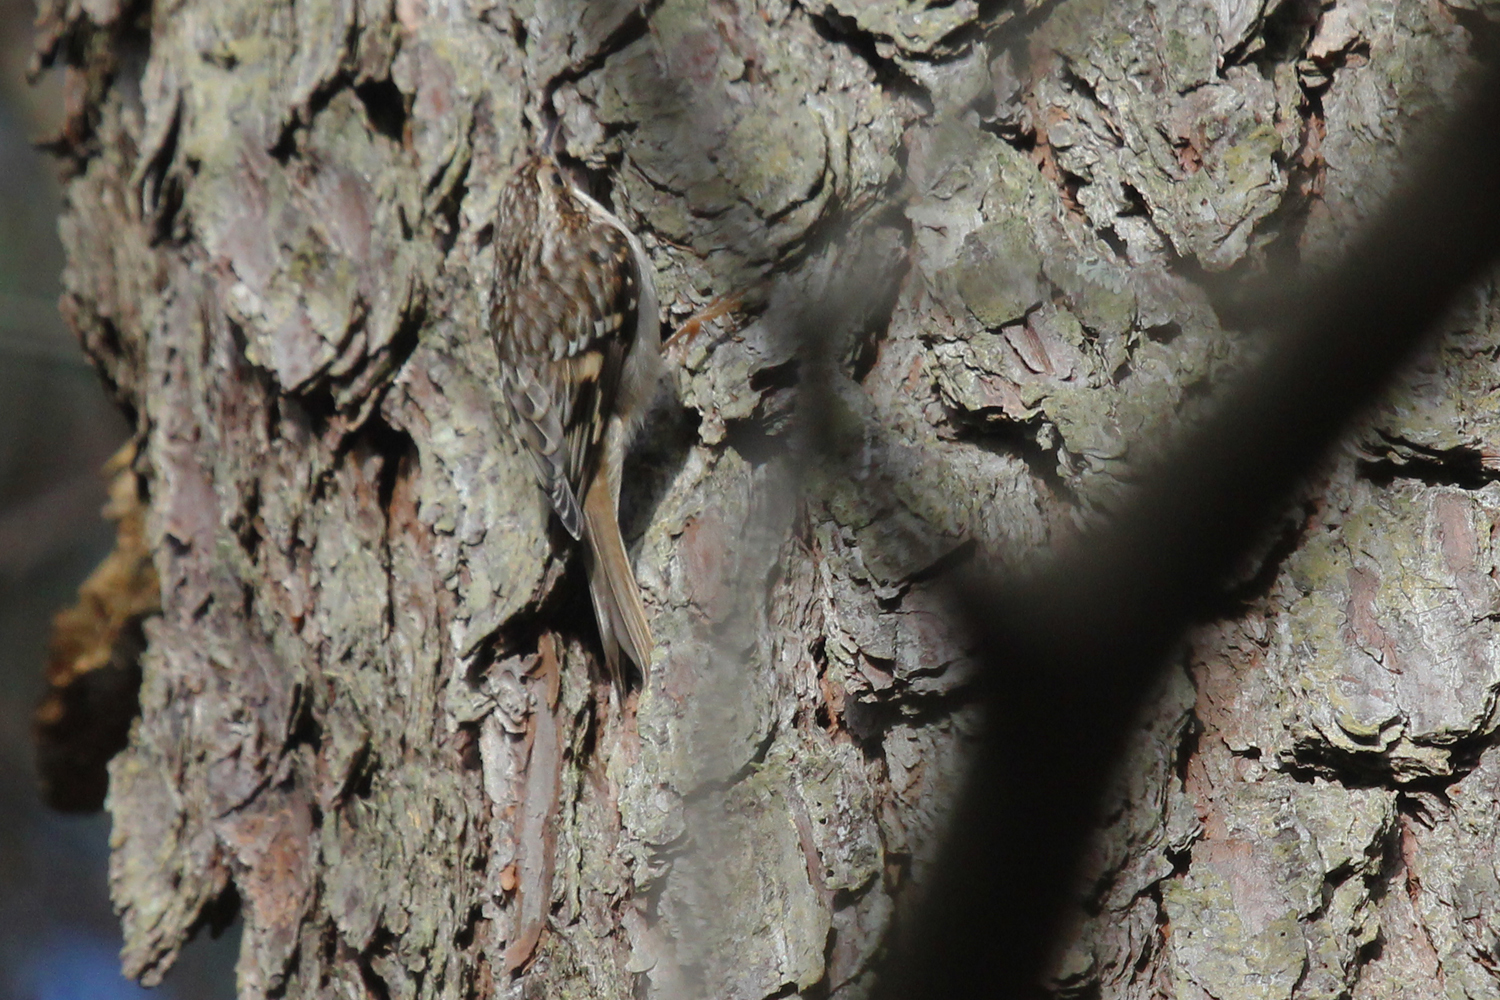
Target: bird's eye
557, 180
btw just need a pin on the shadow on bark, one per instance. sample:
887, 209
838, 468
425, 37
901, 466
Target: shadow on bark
1070, 655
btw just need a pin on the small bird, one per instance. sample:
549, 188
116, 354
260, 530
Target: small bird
575, 324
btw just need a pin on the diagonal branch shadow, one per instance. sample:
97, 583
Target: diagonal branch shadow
1068, 656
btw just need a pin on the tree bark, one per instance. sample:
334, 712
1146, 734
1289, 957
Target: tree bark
370, 712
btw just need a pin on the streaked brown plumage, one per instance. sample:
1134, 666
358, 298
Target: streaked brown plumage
574, 319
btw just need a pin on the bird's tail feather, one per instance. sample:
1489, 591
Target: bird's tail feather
617, 599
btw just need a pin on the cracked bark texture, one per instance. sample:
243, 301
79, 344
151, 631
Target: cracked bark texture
368, 711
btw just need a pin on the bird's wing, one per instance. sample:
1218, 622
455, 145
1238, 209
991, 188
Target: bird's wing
563, 336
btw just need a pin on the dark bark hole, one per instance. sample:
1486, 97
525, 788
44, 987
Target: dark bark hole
757, 438
385, 107
1080, 86
465, 936
1023, 440
285, 146
109, 338
374, 982
588, 717
1070, 185
305, 730
363, 784
867, 718
651, 466
245, 524
782, 376
1286, 32
753, 440
404, 341
467, 746
1165, 333
1112, 240
1370, 952
1135, 202
399, 452
844, 31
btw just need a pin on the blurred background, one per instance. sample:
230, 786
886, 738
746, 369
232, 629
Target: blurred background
58, 935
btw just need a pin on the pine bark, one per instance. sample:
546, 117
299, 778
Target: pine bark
370, 710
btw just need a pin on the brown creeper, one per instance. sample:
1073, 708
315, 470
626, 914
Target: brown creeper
574, 319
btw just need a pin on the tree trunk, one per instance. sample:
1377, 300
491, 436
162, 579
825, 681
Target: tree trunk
370, 708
